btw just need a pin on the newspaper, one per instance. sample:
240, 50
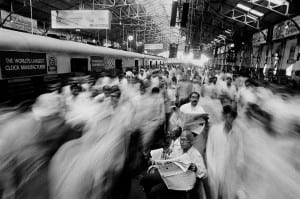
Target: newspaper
156, 154
175, 173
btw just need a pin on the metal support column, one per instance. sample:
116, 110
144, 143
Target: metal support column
31, 17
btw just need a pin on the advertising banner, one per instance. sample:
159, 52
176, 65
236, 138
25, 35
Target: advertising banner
153, 46
173, 50
18, 64
260, 38
81, 19
18, 22
52, 63
97, 64
286, 29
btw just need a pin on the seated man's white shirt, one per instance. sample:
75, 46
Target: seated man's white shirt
175, 147
195, 158
189, 109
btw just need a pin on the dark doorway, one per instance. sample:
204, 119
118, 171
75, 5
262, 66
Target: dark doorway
151, 64
136, 65
79, 65
156, 64
119, 69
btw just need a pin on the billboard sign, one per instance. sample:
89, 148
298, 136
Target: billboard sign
52, 63
260, 37
18, 64
81, 19
286, 29
97, 64
18, 22
153, 46
173, 50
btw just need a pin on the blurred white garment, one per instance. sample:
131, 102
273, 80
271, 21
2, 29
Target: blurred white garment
214, 109
47, 104
175, 120
189, 109
230, 91
197, 88
172, 93
195, 157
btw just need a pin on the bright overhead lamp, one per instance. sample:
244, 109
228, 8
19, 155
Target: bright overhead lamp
250, 10
243, 7
252, 17
130, 37
257, 13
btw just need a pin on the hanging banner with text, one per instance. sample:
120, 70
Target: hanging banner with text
97, 64
19, 64
154, 46
260, 37
18, 22
81, 19
286, 29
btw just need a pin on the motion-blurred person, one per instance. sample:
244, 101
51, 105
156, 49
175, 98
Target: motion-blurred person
175, 120
27, 143
142, 75
229, 89
196, 85
115, 94
217, 152
184, 88
103, 96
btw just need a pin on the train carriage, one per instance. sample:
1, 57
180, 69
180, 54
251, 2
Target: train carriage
29, 62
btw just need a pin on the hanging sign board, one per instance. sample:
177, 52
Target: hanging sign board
18, 64
153, 46
173, 50
286, 29
52, 63
81, 19
18, 22
97, 64
260, 37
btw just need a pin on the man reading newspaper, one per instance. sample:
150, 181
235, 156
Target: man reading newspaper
177, 172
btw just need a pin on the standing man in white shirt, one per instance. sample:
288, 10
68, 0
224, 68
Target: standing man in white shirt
192, 107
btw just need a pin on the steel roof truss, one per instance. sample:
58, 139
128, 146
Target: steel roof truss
272, 7
244, 18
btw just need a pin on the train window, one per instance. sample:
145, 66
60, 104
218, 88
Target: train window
119, 68
79, 65
136, 65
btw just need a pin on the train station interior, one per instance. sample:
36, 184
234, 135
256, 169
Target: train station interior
149, 99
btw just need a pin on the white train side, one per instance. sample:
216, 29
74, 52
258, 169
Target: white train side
21, 54
30, 62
